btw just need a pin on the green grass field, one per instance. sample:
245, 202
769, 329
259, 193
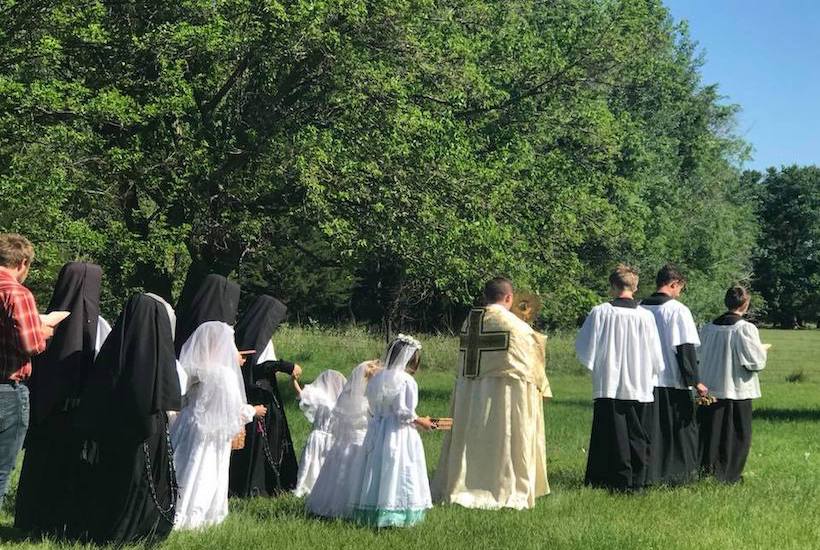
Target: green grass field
777, 506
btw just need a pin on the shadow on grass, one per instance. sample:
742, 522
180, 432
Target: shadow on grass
266, 509
787, 415
564, 479
9, 534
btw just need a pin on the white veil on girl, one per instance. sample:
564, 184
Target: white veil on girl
386, 385
217, 394
350, 412
324, 391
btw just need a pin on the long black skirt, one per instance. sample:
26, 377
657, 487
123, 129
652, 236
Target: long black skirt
48, 478
619, 445
674, 436
130, 493
267, 465
725, 438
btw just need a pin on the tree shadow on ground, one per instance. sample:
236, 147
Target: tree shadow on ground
9, 534
564, 479
787, 415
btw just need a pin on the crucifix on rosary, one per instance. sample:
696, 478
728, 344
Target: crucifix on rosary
474, 342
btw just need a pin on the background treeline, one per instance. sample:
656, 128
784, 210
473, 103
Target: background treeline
375, 161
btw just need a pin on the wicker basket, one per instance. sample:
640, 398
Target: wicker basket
238, 442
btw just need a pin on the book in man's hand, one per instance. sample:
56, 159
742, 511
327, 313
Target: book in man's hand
54, 318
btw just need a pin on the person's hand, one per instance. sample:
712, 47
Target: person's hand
261, 410
424, 422
46, 331
297, 372
242, 359
702, 389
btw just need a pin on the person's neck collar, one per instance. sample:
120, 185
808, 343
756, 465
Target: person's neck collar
6, 272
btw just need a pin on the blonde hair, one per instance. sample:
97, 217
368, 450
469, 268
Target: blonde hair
624, 277
14, 249
372, 368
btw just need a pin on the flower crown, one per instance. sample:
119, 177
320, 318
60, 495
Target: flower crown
409, 340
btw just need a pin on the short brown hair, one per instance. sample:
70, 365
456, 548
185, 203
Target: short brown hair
14, 249
496, 288
669, 274
624, 277
736, 297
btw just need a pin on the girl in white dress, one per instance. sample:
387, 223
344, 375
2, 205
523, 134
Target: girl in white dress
331, 495
317, 401
214, 412
393, 489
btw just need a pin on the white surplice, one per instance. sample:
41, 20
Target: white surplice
622, 349
676, 327
730, 358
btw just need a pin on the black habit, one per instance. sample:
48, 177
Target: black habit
129, 490
53, 448
216, 299
267, 465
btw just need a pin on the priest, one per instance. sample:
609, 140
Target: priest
674, 430
495, 455
619, 344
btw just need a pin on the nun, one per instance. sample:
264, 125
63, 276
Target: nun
216, 299
53, 448
267, 464
129, 490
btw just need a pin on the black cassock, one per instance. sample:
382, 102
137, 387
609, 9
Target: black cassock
53, 448
619, 448
129, 486
267, 465
215, 299
674, 427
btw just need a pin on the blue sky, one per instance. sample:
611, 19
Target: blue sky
765, 56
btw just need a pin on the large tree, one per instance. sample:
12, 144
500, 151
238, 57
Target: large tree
787, 264
372, 160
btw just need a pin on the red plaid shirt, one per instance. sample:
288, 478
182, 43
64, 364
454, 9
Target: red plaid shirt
20, 336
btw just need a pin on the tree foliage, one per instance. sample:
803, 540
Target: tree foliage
787, 262
369, 160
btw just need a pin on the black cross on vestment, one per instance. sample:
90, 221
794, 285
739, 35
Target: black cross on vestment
474, 342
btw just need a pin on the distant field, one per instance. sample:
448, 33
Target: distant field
777, 506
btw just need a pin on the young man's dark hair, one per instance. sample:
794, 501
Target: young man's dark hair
736, 297
496, 288
669, 273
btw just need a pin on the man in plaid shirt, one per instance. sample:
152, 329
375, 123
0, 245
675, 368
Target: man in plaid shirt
22, 335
